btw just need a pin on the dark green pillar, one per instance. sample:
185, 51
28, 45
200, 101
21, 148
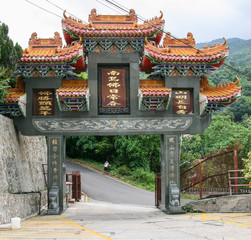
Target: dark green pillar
56, 174
170, 174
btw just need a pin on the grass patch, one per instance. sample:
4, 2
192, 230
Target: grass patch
189, 196
87, 162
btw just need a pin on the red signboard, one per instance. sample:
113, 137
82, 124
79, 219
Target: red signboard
182, 101
113, 88
43, 102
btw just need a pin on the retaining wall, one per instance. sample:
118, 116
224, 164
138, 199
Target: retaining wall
235, 203
21, 159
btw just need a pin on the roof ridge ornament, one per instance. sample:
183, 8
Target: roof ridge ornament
80, 40
34, 41
130, 18
170, 41
64, 14
161, 15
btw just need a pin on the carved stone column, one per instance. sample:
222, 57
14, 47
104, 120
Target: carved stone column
170, 174
56, 174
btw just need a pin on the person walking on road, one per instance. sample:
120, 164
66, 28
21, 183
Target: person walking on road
106, 164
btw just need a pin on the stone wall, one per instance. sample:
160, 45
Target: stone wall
21, 205
21, 159
235, 203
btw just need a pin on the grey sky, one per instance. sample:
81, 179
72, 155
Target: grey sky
206, 19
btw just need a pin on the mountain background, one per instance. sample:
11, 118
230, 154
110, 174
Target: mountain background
240, 59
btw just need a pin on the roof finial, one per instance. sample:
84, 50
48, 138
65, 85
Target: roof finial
80, 40
161, 15
146, 40
65, 14
224, 41
236, 83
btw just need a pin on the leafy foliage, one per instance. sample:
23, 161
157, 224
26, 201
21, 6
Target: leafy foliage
4, 84
97, 148
138, 151
130, 151
221, 133
248, 166
9, 56
9, 53
124, 171
83, 75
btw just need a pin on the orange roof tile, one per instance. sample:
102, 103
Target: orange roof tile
155, 91
73, 88
50, 50
179, 51
221, 92
124, 19
146, 83
112, 26
16, 92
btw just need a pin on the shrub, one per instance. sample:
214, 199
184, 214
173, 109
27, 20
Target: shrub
248, 166
143, 176
124, 171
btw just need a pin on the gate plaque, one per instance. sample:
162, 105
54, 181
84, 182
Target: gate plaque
113, 90
43, 102
182, 101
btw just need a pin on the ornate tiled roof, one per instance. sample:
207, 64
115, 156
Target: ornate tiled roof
221, 93
16, 92
16, 101
155, 91
183, 51
73, 88
73, 95
153, 95
50, 50
212, 98
112, 26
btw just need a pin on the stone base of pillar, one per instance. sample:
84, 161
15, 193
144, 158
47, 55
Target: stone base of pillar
53, 208
174, 210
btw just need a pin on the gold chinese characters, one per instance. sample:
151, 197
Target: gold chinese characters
181, 102
44, 102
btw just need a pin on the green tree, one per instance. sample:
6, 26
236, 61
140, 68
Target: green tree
223, 132
97, 148
142, 151
247, 169
83, 75
10, 53
9, 56
241, 107
4, 84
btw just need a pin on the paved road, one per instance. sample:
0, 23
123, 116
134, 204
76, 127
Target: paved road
107, 221
102, 188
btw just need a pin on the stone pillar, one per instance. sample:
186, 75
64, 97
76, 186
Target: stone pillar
56, 175
170, 174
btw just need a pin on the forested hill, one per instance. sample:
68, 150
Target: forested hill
235, 45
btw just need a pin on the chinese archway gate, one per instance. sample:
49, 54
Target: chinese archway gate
175, 99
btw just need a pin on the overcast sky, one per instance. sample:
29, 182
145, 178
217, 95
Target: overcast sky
206, 19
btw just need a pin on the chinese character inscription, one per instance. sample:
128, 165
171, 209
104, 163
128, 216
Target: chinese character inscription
43, 102
113, 90
182, 101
